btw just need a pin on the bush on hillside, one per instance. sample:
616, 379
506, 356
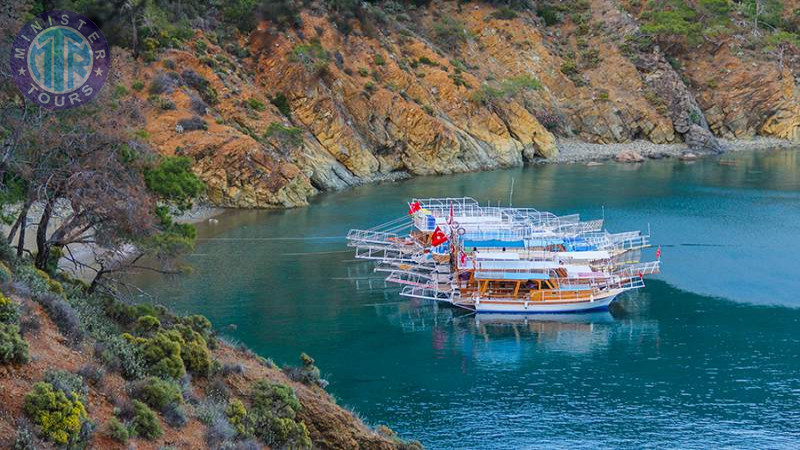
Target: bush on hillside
156, 392
59, 417
192, 124
219, 432
63, 315
237, 417
146, 325
272, 414
13, 348
5, 274
67, 382
120, 355
282, 103
307, 373
9, 312
117, 430
92, 374
161, 354
143, 421
507, 88
175, 415
504, 13
164, 83
450, 33
286, 136
201, 85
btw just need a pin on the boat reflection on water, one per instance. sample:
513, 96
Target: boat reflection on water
513, 334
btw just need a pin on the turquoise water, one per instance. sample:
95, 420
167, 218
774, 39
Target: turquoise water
707, 355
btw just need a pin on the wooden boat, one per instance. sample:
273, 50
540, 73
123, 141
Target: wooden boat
504, 260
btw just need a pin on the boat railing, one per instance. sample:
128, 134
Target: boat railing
387, 254
445, 202
411, 278
428, 294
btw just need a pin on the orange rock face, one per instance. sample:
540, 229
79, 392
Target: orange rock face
416, 97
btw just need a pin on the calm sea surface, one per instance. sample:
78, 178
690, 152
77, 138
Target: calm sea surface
708, 355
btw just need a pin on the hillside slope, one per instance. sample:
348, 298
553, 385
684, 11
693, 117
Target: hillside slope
323, 95
71, 342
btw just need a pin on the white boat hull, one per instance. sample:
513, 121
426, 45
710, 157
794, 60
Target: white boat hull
598, 304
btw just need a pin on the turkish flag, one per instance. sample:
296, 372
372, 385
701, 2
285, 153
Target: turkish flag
438, 237
414, 207
463, 258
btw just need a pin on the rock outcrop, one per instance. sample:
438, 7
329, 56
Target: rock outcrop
458, 87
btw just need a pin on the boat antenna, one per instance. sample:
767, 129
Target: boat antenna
603, 209
511, 193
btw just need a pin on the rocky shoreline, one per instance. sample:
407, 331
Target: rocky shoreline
575, 151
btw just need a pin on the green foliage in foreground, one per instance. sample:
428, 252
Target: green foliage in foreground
145, 422
156, 392
59, 417
117, 430
273, 415
13, 348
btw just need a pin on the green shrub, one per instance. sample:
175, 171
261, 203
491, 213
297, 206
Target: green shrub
450, 33
237, 417
307, 373
117, 430
504, 13
194, 351
72, 385
156, 392
309, 53
427, 61
287, 135
9, 313
548, 14
13, 348
256, 104
59, 417
63, 315
379, 59
120, 91
569, 67
201, 85
508, 88
273, 411
161, 354
144, 422
5, 274
137, 85
282, 103
199, 324
363, 71
146, 325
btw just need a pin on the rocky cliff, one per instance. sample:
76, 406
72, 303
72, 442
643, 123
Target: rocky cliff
278, 114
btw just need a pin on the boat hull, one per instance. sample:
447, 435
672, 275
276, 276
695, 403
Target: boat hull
599, 304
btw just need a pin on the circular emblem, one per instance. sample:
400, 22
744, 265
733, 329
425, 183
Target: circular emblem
60, 60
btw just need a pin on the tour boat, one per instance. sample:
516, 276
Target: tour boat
493, 259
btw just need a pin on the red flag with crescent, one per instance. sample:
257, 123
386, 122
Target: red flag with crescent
414, 207
658, 252
438, 237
